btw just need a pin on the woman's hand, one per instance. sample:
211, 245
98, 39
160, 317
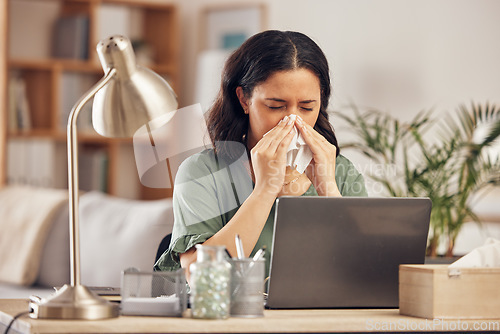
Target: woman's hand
321, 171
269, 158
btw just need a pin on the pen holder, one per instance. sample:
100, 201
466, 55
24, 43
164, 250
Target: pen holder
159, 293
247, 287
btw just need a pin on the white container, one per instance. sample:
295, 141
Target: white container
159, 293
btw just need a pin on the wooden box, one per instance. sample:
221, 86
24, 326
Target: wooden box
439, 292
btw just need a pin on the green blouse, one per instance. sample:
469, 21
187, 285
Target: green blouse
209, 190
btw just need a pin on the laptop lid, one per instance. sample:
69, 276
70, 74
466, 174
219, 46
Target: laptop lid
344, 252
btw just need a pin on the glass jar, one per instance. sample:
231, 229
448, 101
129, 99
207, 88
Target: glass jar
210, 283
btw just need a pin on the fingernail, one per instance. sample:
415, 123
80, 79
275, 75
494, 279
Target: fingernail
291, 121
299, 120
285, 119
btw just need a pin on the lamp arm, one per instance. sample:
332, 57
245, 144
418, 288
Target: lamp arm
73, 185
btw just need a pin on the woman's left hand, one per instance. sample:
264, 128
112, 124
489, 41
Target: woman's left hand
322, 173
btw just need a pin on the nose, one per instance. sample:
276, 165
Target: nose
292, 114
292, 110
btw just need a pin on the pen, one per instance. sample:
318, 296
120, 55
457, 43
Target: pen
227, 253
239, 247
258, 255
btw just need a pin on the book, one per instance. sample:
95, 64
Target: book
22, 106
19, 117
73, 85
33, 162
71, 37
93, 169
16, 162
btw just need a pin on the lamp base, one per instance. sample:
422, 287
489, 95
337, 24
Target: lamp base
73, 302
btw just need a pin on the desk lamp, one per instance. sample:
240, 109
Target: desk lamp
125, 99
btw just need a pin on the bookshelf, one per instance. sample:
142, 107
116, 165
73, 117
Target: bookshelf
46, 68
3, 90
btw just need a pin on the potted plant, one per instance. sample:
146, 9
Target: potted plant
449, 169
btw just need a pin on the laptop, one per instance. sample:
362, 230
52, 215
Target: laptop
331, 252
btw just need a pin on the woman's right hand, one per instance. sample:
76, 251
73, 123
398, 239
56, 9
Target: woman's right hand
269, 158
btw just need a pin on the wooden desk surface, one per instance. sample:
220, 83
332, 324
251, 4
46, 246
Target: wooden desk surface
274, 321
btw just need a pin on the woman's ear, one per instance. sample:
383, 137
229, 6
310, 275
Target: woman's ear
242, 98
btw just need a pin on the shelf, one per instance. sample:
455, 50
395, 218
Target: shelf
55, 65
50, 86
138, 3
74, 65
83, 136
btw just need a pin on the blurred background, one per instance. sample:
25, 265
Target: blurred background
398, 57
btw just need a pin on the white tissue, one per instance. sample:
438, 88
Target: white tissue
298, 155
159, 306
487, 255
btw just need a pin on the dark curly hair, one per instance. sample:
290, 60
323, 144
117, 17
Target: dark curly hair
251, 64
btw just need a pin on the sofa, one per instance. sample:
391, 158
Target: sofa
115, 234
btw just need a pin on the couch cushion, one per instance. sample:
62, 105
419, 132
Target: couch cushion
54, 264
117, 234
26, 216
15, 291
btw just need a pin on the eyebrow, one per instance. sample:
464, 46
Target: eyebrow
283, 101
274, 99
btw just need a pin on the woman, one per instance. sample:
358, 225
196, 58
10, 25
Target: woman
232, 188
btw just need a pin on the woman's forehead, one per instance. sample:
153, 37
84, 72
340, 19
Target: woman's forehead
300, 83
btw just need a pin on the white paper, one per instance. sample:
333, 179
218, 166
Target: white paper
159, 306
487, 255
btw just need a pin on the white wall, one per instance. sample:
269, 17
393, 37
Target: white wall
403, 56
399, 56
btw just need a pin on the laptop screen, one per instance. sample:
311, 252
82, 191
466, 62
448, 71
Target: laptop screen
344, 252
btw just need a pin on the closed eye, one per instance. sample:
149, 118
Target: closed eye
276, 108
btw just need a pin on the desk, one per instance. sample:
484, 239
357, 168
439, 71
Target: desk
274, 321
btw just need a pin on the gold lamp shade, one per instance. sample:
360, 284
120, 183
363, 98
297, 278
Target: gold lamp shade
134, 97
